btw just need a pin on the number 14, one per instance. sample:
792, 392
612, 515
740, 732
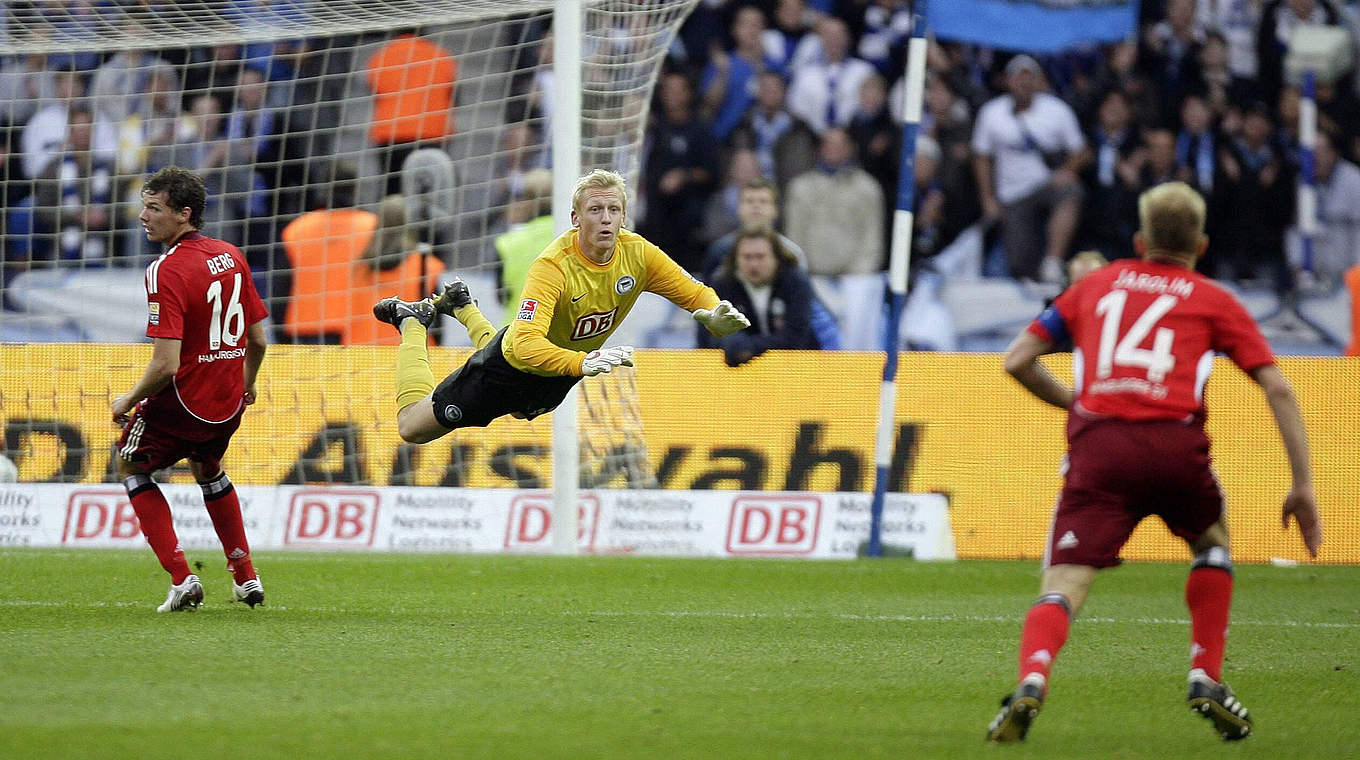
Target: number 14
1125, 351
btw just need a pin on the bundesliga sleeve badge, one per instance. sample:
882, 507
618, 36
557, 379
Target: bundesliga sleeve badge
528, 307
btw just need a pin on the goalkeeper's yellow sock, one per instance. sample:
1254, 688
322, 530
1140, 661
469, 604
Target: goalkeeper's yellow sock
479, 328
414, 379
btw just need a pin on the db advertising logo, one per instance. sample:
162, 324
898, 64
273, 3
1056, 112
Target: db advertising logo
774, 525
100, 517
530, 523
590, 325
332, 519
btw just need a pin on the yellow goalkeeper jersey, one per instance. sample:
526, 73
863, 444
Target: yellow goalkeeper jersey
570, 304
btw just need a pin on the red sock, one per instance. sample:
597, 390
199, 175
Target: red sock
225, 510
153, 512
1208, 594
1043, 636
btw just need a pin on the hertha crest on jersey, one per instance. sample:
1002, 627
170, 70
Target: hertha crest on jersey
527, 309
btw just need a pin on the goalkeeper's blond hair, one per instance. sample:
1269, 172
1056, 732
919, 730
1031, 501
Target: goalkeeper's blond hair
1171, 218
599, 179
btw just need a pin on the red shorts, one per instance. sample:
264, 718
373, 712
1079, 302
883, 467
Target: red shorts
1119, 472
148, 441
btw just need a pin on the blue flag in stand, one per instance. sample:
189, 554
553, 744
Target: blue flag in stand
1032, 26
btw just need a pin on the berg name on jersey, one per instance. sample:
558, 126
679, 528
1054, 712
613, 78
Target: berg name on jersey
220, 263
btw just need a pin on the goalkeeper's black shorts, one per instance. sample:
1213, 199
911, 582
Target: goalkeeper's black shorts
487, 387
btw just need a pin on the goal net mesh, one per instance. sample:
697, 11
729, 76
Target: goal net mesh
352, 150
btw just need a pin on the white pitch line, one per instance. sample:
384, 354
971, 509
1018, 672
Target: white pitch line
727, 615
207, 602
881, 618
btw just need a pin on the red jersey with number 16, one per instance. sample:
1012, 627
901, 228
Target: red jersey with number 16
1144, 335
200, 292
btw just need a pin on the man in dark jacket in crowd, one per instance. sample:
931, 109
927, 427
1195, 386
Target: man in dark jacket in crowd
762, 279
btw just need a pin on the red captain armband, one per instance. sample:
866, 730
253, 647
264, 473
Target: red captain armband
528, 307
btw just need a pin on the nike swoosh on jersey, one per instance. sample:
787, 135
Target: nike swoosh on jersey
577, 298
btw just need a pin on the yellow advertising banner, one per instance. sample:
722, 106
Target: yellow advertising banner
787, 421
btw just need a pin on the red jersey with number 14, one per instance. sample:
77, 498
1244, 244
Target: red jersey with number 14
1144, 335
200, 292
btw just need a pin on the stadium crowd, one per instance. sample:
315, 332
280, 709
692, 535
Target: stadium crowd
1021, 163
1046, 157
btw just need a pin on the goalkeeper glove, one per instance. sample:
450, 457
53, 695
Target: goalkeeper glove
605, 360
722, 320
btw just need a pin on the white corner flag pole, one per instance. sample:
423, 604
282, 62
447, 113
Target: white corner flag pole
1307, 198
566, 167
897, 276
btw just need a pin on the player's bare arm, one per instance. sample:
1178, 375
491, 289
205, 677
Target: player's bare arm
1301, 502
1069, 173
159, 371
1022, 362
256, 345
982, 171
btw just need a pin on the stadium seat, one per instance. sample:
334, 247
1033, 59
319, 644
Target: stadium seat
1289, 332
1328, 312
650, 323
104, 305
19, 231
987, 313
1260, 302
856, 300
37, 328
926, 324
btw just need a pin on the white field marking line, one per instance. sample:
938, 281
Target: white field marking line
720, 614
849, 616
206, 601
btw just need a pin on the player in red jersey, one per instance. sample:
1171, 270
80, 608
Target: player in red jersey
1144, 335
204, 317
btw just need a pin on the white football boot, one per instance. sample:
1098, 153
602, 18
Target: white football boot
183, 596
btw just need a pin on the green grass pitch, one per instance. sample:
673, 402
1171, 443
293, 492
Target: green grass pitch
391, 656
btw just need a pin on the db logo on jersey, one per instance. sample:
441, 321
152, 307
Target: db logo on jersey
528, 307
774, 525
332, 519
591, 325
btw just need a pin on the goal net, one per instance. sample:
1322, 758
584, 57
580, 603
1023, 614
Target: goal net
353, 150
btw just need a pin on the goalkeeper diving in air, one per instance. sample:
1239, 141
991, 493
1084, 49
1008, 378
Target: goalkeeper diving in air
577, 291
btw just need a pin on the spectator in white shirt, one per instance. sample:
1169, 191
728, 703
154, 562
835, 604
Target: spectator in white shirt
790, 27
1237, 20
785, 146
122, 85
825, 91
1028, 154
25, 83
45, 133
1336, 245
